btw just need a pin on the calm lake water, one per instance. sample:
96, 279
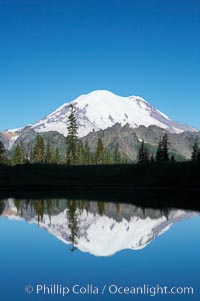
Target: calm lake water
79, 250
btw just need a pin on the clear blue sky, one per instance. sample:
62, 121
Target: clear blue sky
51, 51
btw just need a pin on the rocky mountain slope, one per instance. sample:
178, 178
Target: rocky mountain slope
128, 139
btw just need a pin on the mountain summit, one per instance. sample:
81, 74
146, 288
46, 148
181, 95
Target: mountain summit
101, 109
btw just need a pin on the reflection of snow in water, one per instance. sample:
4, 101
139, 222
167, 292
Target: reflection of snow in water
118, 227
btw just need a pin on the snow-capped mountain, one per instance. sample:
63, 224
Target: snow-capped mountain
10, 136
102, 109
119, 227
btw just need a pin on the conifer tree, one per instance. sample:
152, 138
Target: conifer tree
125, 160
159, 152
143, 154
31, 156
108, 158
99, 152
71, 154
38, 150
80, 153
165, 148
152, 158
146, 155
3, 157
17, 157
87, 155
172, 159
93, 158
162, 153
117, 155
195, 151
57, 158
48, 154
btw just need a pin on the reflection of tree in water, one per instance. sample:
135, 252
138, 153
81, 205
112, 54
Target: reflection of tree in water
49, 205
73, 223
165, 212
17, 204
2, 207
55, 206
21, 206
82, 204
118, 207
101, 207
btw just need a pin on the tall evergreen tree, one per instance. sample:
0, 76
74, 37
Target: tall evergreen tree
31, 155
87, 154
143, 154
159, 152
165, 148
99, 152
146, 155
17, 157
48, 154
162, 153
172, 159
195, 151
80, 152
3, 156
71, 154
57, 157
117, 155
39, 150
108, 158
93, 158
125, 159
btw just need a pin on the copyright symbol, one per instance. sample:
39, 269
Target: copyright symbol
29, 289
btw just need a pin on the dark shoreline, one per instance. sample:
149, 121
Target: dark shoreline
185, 200
175, 185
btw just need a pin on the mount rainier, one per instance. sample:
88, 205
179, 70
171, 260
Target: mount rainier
114, 119
102, 109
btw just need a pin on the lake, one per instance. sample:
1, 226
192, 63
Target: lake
63, 249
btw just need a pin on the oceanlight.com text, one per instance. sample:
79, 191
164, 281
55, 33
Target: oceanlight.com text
111, 289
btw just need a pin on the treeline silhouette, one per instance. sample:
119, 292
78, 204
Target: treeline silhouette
46, 154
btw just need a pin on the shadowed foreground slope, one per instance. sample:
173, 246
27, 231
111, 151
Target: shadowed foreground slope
163, 185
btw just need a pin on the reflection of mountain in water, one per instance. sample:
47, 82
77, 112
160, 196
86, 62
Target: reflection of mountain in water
101, 229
